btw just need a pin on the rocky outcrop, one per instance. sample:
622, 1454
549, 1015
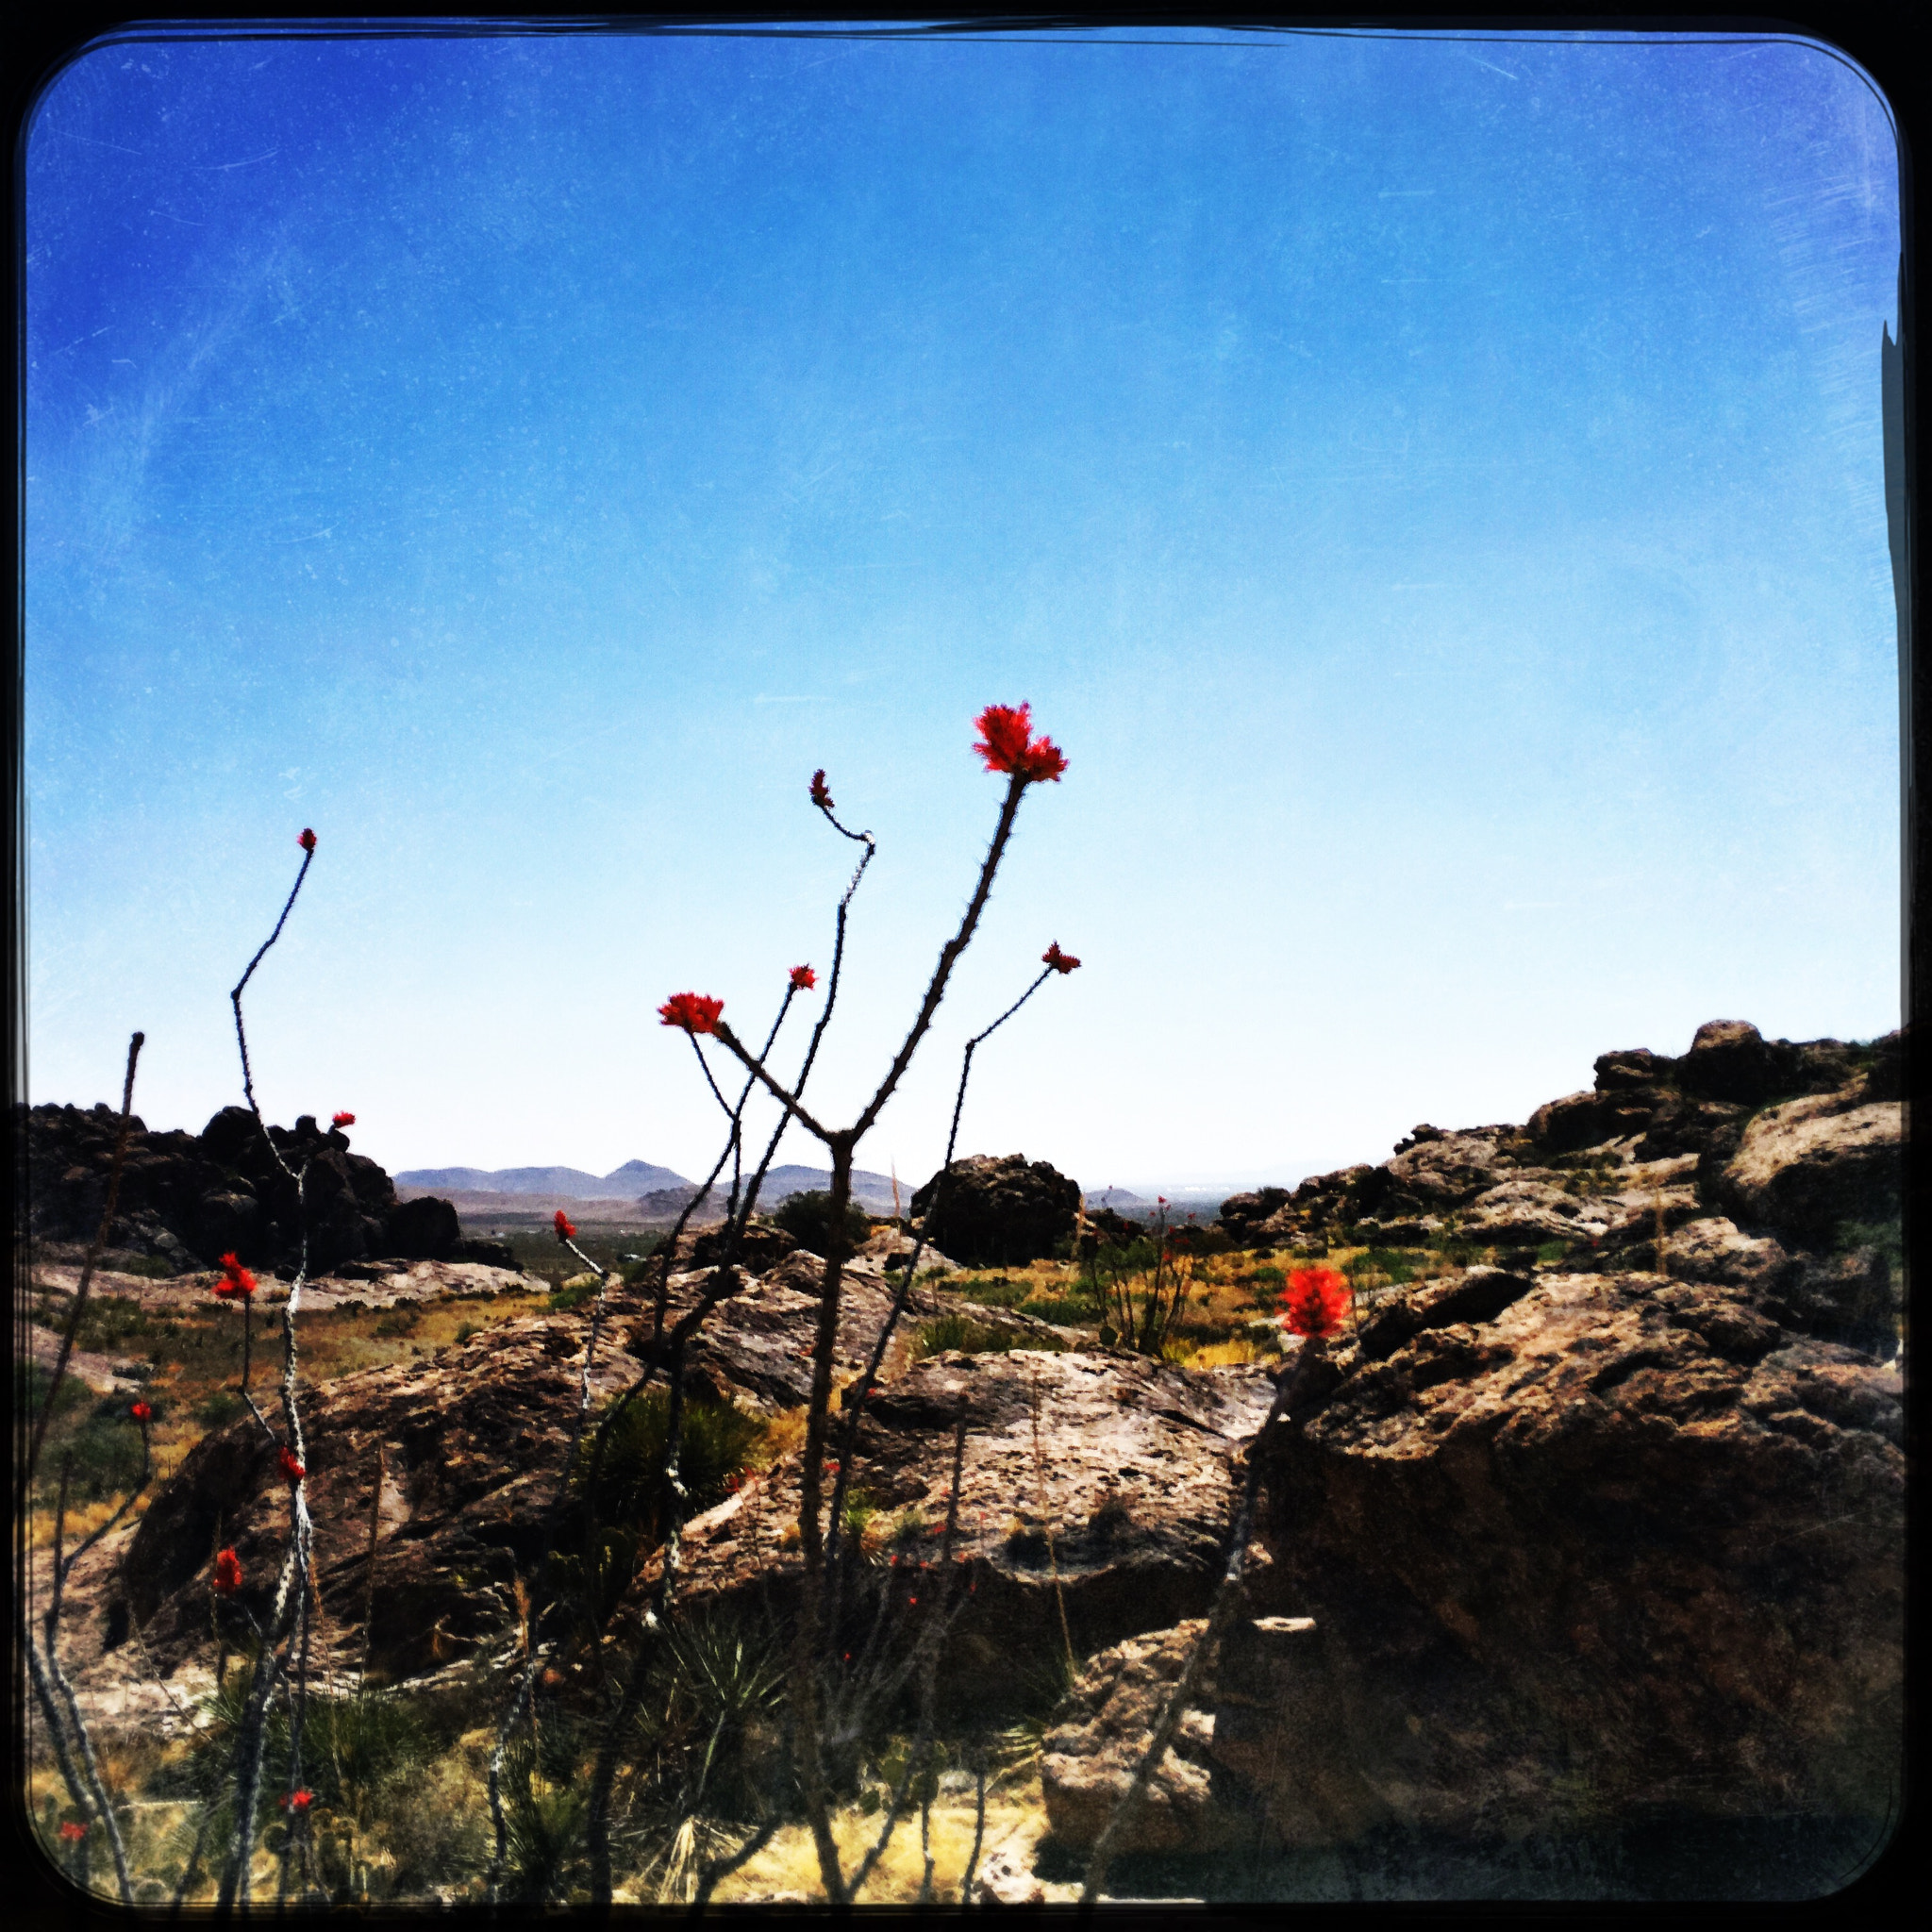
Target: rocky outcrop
1810, 1166
1096, 1483
1099, 1735
1611, 1543
188, 1199
992, 1210
470, 1443
1800, 1142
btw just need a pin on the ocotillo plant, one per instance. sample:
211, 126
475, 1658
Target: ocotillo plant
1007, 748
281, 1650
67, 1730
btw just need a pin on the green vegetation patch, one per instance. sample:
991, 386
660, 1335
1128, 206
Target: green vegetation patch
807, 1218
961, 1332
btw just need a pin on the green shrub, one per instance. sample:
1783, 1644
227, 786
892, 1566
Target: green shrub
31, 1382
574, 1297
219, 1407
150, 1267
102, 1457
862, 1506
1070, 1313
961, 1332
807, 1218
717, 1441
992, 1291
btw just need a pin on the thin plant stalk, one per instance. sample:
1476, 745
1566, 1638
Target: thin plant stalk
1220, 1614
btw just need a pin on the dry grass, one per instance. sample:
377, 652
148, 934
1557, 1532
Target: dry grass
788, 1866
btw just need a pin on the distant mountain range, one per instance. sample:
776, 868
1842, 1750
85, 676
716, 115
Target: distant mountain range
636, 1179
569, 1183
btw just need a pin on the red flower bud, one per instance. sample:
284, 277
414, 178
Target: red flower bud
803, 979
1059, 961
566, 1227
140, 1411
694, 1011
297, 1801
1005, 746
239, 1281
290, 1468
72, 1832
1315, 1301
345, 1120
228, 1578
820, 797
307, 840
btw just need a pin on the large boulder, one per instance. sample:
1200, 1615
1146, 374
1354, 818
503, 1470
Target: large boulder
1097, 1486
1607, 1547
1243, 1217
190, 1198
1809, 1166
992, 1210
1099, 1735
470, 1444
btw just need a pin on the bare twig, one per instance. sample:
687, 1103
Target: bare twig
1221, 1613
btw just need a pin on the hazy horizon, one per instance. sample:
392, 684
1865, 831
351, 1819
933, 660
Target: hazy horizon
1432, 490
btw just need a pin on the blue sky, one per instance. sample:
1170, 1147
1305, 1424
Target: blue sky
1431, 489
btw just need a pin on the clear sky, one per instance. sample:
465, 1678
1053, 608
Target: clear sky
1431, 489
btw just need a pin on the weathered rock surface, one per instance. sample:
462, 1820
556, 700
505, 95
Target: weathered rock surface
1100, 1734
354, 1285
1620, 1541
188, 1199
471, 1443
989, 1211
1808, 1165
1124, 1491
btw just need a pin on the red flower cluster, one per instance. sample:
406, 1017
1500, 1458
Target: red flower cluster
237, 1281
820, 797
803, 979
1059, 961
566, 1227
297, 1801
227, 1578
140, 1411
345, 1120
73, 1833
307, 840
694, 1011
1003, 742
1315, 1301
290, 1468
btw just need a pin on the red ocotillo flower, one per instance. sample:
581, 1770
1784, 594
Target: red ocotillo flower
1315, 1301
1059, 961
228, 1578
307, 840
803, 979
820, 797
343, 1120
237, 1279
72, 1832
694, 1011
297, 1801
1003, 742
566, 1227
140, 1411
290, 1468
